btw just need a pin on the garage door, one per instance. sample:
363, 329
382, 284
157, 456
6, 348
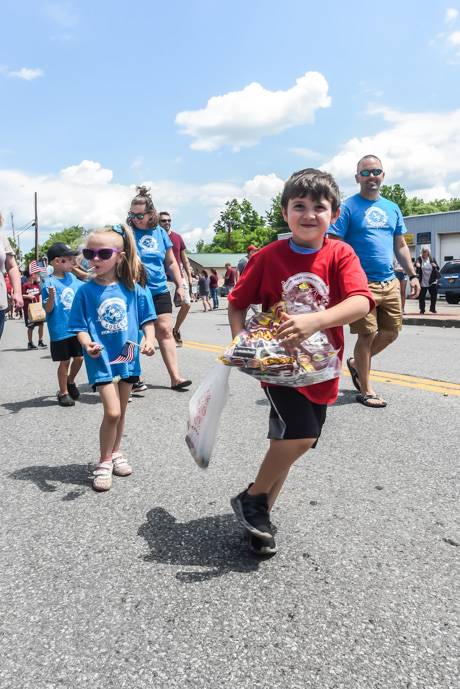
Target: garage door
450, 246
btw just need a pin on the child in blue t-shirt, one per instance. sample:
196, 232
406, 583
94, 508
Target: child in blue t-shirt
107, 314
58, 293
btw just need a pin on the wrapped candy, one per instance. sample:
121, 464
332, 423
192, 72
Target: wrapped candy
257, 352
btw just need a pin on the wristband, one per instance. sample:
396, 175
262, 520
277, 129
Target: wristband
411, 277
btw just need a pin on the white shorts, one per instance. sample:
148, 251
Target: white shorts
172, 291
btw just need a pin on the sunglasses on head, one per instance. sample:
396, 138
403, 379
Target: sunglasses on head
102, 254
375, 171
138, 216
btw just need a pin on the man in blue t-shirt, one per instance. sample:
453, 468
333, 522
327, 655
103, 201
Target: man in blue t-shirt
375, 228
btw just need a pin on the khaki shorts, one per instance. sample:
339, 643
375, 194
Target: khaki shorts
387, 314
172, 291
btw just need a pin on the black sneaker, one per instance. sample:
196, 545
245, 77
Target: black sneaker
74, 393
252, 512
42, 345
260, 546
31, 345
139, 387
65, 401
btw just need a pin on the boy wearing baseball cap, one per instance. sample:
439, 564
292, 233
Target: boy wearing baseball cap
58, 293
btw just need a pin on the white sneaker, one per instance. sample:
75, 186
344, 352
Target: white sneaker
120, 465
103, 476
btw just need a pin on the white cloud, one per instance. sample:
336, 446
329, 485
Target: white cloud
453, 39
192, 237
451, 15
306, 153
85, 194
26, 73
241, 118
261, 189
137, 164
420, 151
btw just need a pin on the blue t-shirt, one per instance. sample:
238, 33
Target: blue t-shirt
58, 318
111, 315
152, 246
370, 227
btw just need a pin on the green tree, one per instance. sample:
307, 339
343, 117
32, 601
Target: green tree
397, 194
275, 218
238, 225
73, 236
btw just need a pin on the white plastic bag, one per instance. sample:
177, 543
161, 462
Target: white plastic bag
205, 409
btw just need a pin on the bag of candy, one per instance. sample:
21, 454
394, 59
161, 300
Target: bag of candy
205, 409
257, 352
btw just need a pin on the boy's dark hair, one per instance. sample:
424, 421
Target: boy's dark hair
314, 183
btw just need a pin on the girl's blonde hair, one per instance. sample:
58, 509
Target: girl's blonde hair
130, 270
144, 197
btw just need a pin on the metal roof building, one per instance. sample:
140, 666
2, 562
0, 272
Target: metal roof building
217, 261
439, 231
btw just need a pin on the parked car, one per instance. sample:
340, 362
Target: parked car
449, 282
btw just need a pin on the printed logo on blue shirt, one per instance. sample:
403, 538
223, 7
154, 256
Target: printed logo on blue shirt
148, 244
376, 217
113, 315
67, 297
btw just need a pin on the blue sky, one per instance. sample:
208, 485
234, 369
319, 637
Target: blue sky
206, 101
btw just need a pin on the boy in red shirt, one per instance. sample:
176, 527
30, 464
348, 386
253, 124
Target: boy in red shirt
310, 202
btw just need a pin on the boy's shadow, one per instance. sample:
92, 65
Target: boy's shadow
346, 397
45, 477
211, 542
42, 401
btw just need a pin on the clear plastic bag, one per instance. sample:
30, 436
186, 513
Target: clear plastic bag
205, 409
257, 352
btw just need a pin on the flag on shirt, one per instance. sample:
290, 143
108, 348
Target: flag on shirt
37, 267
126, 355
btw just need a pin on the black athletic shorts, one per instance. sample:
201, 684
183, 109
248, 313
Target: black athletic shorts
162, 303
28, 324
131, 380
62, 350
292, 415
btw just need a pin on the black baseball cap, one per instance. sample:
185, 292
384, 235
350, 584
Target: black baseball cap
59, 249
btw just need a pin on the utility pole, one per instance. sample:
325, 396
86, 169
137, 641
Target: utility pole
36, 228
12, 228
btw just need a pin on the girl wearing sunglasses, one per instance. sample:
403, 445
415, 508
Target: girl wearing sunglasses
155, 251
107, 314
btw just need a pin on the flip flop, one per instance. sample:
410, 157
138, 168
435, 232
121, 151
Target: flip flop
180, 386
363, 399
353, 374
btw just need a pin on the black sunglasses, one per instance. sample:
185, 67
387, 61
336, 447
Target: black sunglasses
138, 216
103, 254
366, 173
165, 219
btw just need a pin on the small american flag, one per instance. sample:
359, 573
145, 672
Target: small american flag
126, 354
36, 267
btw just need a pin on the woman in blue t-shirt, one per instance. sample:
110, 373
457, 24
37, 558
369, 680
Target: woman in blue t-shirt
155, 252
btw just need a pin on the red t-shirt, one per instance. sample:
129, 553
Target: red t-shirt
230, 277
30, 288
178, 245
335, 274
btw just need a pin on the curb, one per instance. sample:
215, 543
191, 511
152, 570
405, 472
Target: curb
431, 322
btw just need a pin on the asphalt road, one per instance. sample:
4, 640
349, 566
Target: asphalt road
152, 585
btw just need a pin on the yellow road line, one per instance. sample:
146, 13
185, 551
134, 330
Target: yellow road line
402, 379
